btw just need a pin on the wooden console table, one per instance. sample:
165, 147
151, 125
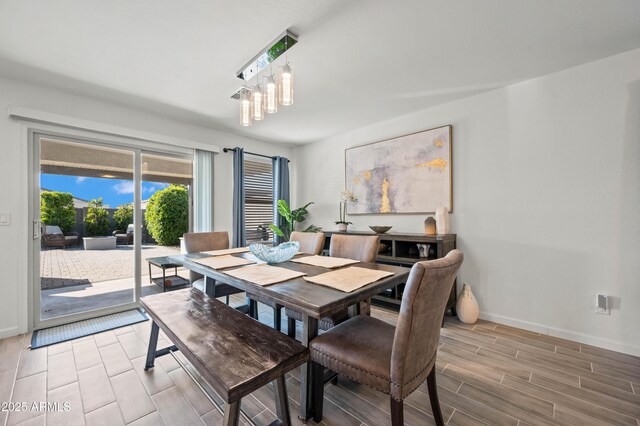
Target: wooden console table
401, 249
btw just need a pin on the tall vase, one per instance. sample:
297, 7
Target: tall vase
342, 227
442, 220
467, 306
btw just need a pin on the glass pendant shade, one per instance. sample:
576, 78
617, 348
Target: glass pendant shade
285, 86
245, 109
270, 96
257, 109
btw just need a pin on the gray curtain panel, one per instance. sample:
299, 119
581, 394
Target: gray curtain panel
280, 189
239, 235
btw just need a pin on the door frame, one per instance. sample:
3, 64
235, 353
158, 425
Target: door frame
137, 147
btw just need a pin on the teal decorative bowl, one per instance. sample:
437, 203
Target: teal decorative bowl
278, 254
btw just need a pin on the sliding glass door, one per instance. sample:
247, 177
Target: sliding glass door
91, 231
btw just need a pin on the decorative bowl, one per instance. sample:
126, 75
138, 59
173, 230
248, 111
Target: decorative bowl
380, 229
278, 254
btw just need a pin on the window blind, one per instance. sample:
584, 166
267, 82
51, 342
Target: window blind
258, 186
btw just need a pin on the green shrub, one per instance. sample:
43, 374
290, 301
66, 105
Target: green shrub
56, 208
123, 217
96, 222
167, 215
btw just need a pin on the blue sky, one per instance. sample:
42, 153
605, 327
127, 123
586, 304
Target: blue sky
114, 192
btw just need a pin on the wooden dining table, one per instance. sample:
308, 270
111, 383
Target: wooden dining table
312, 300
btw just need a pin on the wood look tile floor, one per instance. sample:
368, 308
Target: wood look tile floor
488, 374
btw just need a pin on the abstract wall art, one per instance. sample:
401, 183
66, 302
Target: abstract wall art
407, 174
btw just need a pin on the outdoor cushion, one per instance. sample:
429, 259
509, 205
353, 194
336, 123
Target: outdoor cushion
53, 230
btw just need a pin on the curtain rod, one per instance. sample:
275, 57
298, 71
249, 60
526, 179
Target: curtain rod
251, 153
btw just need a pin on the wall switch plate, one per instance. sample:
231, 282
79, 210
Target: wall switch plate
5, 219
602, 304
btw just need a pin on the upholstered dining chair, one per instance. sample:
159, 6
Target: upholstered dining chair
310, 242
195, 242
358, 247
394, 360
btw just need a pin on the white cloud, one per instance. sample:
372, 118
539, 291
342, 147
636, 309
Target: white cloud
80, 179
125, 187
149, 189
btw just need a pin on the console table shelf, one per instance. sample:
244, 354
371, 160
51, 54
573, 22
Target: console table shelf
401, 249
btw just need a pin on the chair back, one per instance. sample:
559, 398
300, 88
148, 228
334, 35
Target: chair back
357, 247
418, 329
310, 242
195, 242
52, 230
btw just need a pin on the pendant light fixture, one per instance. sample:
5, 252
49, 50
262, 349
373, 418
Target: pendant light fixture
285, 80
257, 103
285, 86
245, 107
270, 96
261, 99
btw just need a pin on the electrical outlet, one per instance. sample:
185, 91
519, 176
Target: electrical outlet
5, 219
602, 304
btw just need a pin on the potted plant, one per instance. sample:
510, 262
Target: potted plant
345, 197
291, 217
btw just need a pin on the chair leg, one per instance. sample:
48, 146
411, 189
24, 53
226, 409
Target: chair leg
317, 394
291, 327
433, 397
397, 412
226, 299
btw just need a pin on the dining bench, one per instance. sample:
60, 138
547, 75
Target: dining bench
234, 353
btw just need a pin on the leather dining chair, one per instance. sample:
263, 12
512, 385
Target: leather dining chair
393, 360
310, 242
358, 247
195, 242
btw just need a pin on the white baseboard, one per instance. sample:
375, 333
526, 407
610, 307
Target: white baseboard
564, 334
9, 332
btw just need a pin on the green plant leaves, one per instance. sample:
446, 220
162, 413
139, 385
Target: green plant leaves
96, 222
56, 208
167, 215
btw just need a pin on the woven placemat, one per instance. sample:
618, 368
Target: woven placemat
348, 279
325, 261
222, 262
226, 251
265, 274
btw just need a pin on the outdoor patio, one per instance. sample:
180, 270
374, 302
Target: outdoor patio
76, 280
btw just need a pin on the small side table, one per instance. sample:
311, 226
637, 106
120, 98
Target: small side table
165, 263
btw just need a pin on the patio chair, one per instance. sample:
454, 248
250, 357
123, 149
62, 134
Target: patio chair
124, 237
54, 237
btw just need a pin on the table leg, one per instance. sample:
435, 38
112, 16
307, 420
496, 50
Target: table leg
282, 401
209, 287
150, 279
309, 332
164, 279
277, 317
153, 345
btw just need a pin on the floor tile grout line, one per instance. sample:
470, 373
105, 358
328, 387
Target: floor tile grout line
584, 400
108, 378
15, 379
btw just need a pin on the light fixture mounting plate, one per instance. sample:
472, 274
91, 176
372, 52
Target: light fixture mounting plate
273, 51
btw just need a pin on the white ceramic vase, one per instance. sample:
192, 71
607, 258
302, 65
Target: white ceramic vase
442, 220
467, 306
342, 227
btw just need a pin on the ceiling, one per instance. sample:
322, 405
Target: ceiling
357, 62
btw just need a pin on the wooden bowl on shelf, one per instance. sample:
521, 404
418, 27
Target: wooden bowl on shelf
380, 229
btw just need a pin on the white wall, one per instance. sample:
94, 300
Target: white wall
546, 197
13, 163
